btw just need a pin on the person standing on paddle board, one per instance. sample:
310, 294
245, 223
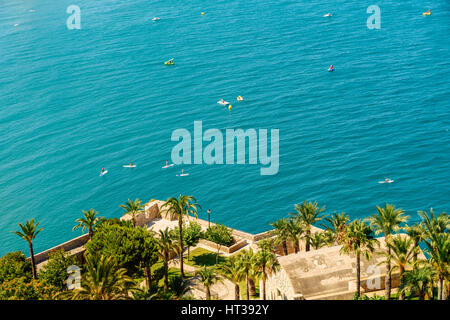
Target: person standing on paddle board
103, 169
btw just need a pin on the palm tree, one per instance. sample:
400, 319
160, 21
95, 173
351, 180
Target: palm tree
358, 240
308, 213
294, 233
318, 240
89, 221
418, 281
439, 251
386, 221
233, 271
133, 208
183, 205
166, 247
29, 233
336, 225
402, 254
103, 280
433, 224
281, 233
266, 262
434, 227
208, 277
246, 261
417, 233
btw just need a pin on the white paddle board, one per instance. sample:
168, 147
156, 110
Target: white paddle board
390, 181
103, 173
168, 166
128, 166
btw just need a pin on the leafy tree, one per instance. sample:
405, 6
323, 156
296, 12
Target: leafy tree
402, 254
337, 224
132, 248
438, 248
295, 233
318, 240
192, 234
434, 225
246, 260
133, 208
308, 214
88, 222
14, 265
167, 246
281, 233
208, 277
359, 241
178, 287
55, 271
220, 235
179, 207
28, 232
266, 263
232, 270
103, 280
418, 281
417, 233
25, 288
387, 220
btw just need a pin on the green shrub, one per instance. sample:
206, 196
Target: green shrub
55, 271
14, 265
26, 289
220, 235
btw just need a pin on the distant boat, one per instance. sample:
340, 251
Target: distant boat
156, 19
327, 15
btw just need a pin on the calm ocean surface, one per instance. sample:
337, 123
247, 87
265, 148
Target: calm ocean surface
72, 101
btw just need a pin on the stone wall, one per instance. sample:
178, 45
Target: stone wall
224, 249
66, 246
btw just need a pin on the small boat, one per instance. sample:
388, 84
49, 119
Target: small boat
156, 19
327, 15
427, 13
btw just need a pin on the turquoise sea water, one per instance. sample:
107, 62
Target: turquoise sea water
72, 101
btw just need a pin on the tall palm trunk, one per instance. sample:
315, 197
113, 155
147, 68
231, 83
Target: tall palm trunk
358, 274
246, 283
387, 279
237, 292
166, 271
33, 264
296, 246
91, 233
441, 287
285, 251
148, 277
252, 286
264, 282
402, 294
180, 227
308, 245
208, 293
